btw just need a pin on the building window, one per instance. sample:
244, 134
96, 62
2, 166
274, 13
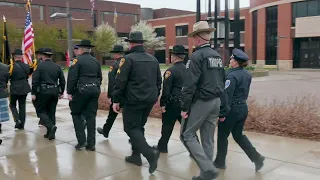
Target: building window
161, 32
41, 13
182, 30
304, 9
254, 36
271, 35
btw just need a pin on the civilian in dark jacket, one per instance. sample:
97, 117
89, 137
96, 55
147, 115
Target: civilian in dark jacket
19, 88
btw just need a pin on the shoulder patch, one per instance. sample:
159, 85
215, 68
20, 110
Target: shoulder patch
167, 74
74, 61
122, 62
110, 68
228, 82
188, 64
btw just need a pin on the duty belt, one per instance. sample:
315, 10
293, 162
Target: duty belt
239, 102
173, 99
49, 86
89, 85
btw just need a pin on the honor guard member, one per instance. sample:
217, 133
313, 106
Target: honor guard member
48, 84
4, 94
40, 58
118, 55
83, 90
137, 87
170, 101
234, 111
203, 87
19, 89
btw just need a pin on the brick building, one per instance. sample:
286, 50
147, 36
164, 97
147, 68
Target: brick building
271, 30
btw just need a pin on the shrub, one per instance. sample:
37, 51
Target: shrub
297, 118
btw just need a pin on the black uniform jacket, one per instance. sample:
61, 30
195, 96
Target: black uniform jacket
49, 73
237, 89
4, 77
85, 70
19, 84
112, 76
205, 77
138, 78
173, 80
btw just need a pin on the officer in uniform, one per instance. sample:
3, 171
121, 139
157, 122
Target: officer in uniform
118, 55
83, 90
4, 109
19, 89
40, 58
170, 101
203, 87
48, 84
137, 87
234, 111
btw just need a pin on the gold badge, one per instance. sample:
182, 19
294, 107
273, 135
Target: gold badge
167, 75
74, 61
118, 72
122, 62
110, 68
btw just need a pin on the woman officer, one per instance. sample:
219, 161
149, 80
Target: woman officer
234, 111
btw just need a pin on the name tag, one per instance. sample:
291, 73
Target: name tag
215, 62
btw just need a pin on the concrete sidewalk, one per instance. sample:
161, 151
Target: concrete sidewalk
26, 155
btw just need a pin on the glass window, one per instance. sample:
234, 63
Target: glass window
313, 8
271, 35
160, 32
182, 30
302, 9
254, 36
41, 13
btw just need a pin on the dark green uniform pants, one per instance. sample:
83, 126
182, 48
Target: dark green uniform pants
85, 104
47, 103
21, 114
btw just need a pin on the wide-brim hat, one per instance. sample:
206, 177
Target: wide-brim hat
47, 51
117, 49
201, 26
179, 49
135, 37
18, 52
75, 47
40, 51
85, 43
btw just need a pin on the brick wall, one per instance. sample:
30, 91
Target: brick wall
261, 46
284, 29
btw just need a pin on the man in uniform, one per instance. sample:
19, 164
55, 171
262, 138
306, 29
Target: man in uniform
48, 84
40, 58
170, 101
201, 100
118, 55
137, 87
4, 109
19, 89
83, 90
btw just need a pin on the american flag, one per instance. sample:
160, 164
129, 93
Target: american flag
28, 40
92, 2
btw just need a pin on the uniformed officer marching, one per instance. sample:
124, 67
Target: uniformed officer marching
201, 100
234, 111
137, 87
170, 101
83, 90
118, 55
48, 84
19, 88
40, 58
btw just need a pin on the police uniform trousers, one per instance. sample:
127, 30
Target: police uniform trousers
47, 101
234, 123
21, 114
135, 116
202, 115
169, 118
85, 104
109, 122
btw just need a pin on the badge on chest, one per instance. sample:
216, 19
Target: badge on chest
214, 62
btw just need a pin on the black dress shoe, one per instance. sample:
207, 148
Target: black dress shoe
18, 124
92, 148
161, 150
153, 160
219, 165
259, 163
80, 146
47, 136
0, 141
52, 133
100, 131
197, 178
134, 159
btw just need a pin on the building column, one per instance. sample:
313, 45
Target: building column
248, 35
261, 39
285, 59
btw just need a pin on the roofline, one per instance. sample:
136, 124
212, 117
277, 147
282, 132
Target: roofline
188, 15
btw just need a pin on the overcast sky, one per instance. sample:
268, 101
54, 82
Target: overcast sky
181, 4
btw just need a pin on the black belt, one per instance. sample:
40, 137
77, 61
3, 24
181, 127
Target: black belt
49, 86
239, 102
89, 85
173, 99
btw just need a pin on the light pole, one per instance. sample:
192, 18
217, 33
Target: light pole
198, 16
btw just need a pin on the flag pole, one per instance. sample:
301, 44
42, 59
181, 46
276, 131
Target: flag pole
34, 48
3, 52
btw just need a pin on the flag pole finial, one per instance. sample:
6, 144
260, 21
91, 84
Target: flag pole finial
4, 18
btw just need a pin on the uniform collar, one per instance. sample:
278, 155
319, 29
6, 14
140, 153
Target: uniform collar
85, 53
139, 48
202, 46
234, 69
47, 60
178, 62
119, 58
